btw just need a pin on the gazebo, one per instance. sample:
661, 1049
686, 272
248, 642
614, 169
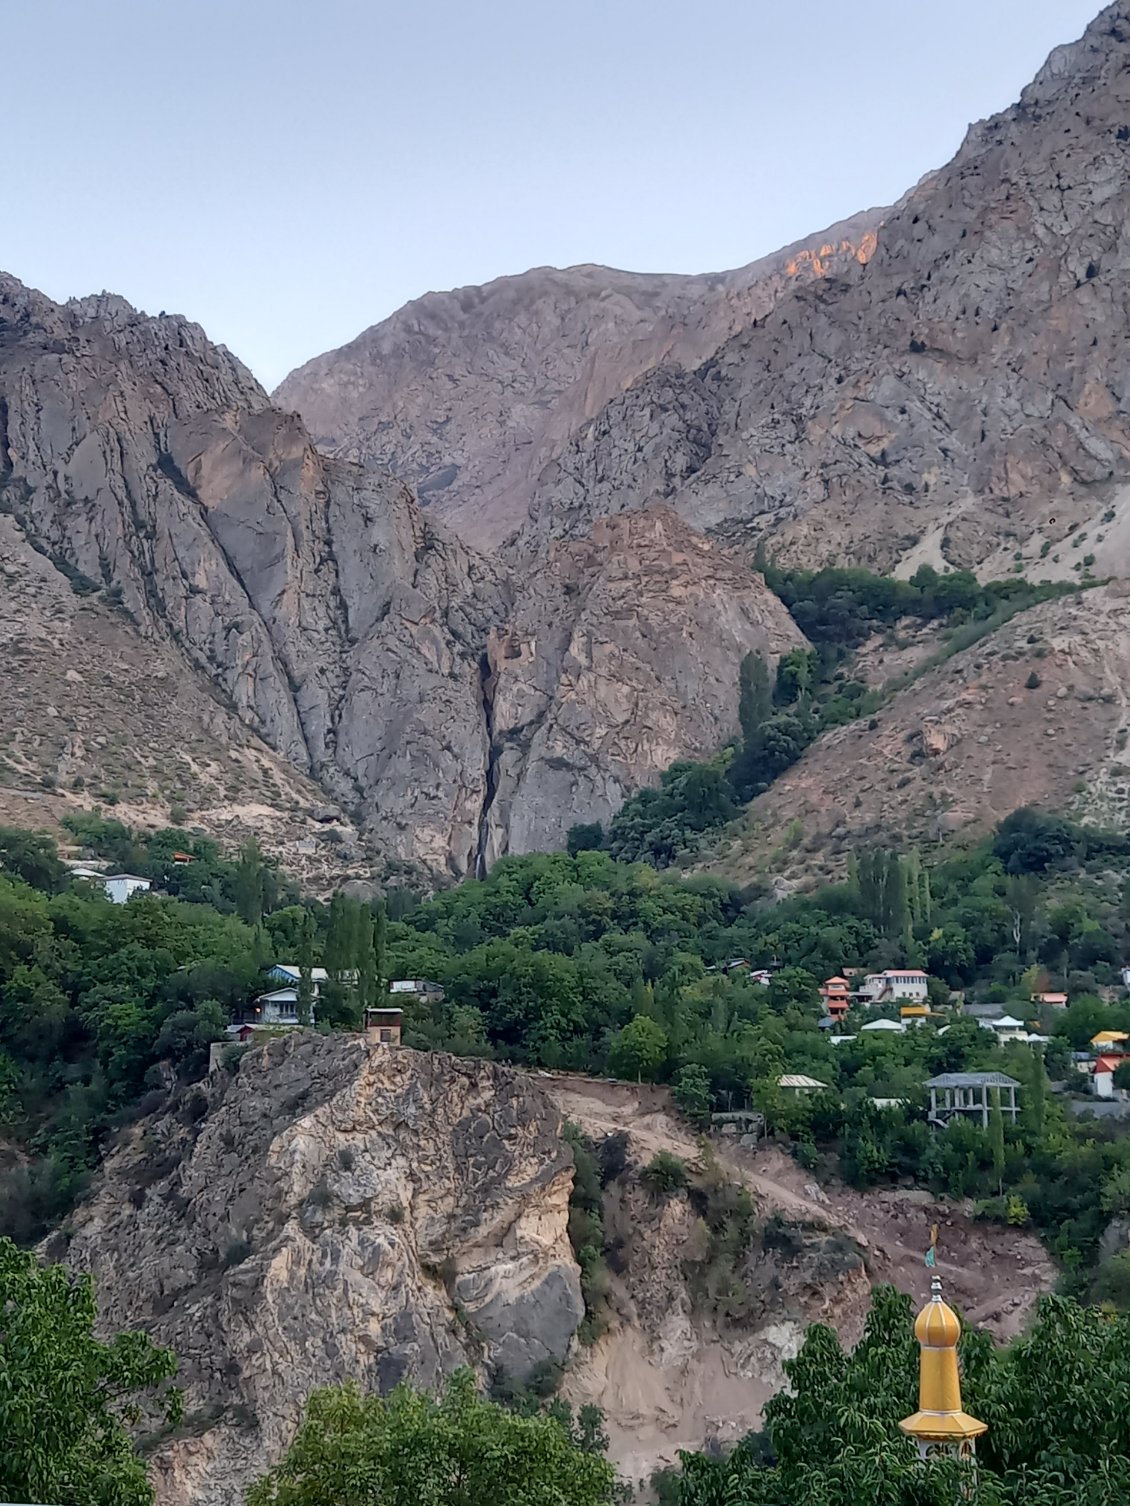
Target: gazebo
968, 1093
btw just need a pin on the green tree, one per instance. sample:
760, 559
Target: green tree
250, 883
755, 698
33, 858
66, 1399
413, 1449
639, 1050
691, 1091
306, 970
996, 1137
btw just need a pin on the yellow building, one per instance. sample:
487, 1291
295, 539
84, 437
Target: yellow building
940, 1426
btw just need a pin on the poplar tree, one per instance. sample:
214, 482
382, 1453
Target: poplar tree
306, 970
249, 883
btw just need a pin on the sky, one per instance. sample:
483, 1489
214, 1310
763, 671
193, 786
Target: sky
288, 172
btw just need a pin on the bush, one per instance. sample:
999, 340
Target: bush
1033, 681
665, 1174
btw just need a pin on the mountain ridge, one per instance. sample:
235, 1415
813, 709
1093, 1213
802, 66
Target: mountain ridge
468, 393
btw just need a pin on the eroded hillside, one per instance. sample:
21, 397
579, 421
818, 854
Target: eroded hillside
332, 1209
1034, 714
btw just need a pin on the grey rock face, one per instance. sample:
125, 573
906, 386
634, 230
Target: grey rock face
621, 656
958, 395
337, 621
469, 394
339, 1211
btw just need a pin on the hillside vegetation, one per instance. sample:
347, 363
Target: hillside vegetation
589, 964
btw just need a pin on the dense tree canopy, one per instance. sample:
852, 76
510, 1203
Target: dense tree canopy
66, 1399
413, 1449
1053, 1401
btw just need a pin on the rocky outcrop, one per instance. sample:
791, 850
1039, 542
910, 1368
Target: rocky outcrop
621, 656
332, 1210
959, 398
359, 641
468, 394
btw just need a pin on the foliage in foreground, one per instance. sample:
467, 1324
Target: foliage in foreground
414, 1449
1054, 1402
66, 1399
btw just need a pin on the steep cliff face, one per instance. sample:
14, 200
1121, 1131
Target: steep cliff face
336, 1210
92, 712
960, 397
468, 394
355, 638
620, 657
334, 621
333, 1210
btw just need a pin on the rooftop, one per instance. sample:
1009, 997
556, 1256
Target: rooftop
798, 1080
972, 1080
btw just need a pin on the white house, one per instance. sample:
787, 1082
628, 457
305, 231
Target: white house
884, 1025
121, 887
1008, 1028
908, 983
287, 973
1102, 1076
419, 988
1126, 977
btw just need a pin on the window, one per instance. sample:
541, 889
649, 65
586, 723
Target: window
386, 1035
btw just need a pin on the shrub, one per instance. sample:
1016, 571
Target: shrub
1033, 681
665, 1174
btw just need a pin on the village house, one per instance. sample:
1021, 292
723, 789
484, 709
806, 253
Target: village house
1007, 1028
1050, 1000
384, 1026
967, 1095
884, 1025
1102, 1076
121, 887
796, 1082
916, 1014
418, 988
1110, 1041
909, 983
836, 994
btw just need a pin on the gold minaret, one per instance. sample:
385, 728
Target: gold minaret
940, 1426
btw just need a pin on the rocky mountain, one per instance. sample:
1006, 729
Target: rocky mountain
332, 1209
92, 712
469, 394
414, 680
960, 398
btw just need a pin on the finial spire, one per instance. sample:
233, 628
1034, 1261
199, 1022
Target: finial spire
940, 1425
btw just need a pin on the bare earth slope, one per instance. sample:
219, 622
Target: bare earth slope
468, 394
333, 619
962, 746
962, 393
338, 1210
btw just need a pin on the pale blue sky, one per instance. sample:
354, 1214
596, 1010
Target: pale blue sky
288, 173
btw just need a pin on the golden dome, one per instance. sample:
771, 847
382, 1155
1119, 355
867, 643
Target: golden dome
940, 1418
937, 1326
